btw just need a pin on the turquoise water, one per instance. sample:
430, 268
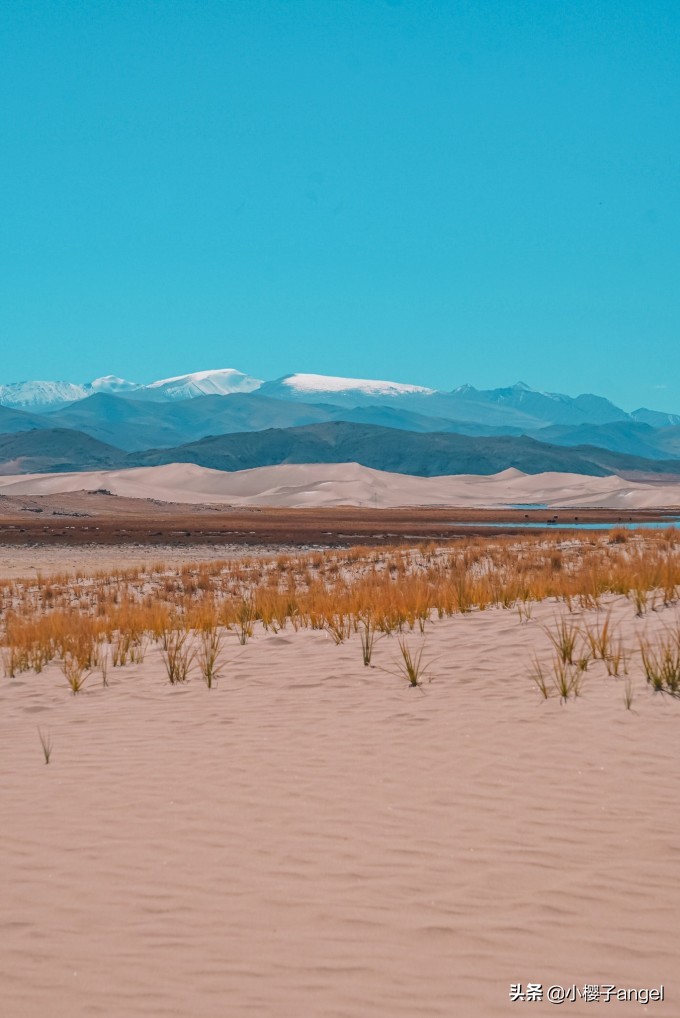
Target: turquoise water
673, 521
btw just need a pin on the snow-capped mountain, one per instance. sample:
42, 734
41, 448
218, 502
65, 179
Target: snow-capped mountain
517, 408
497, 407
301, 386
221, 382
113, 385
44, 396
41, 395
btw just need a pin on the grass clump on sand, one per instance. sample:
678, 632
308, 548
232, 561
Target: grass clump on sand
367, 637
567, 679
46, 743
209, 649
177, 656
564, 678
411, 664
75, 671
661, 664
567, 640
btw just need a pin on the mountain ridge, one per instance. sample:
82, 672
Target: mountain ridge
517, 405
388, 449
44, 396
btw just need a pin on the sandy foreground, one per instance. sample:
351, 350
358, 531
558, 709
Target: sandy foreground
316, 838
19, 561
331, 484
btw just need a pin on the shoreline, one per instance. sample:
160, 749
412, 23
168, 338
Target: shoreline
82, 519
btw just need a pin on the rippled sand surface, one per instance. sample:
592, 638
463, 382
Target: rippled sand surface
316, 838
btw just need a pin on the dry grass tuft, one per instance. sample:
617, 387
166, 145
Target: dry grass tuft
209, 649
367, 637
46, 743
411, 665
177, 656
662, 664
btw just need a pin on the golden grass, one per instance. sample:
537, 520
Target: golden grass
177, 656
89, 623
209, 650
411, 664
662, 664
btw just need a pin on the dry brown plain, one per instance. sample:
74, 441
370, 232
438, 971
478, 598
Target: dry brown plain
90, 518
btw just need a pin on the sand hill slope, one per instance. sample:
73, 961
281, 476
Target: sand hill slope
311, 485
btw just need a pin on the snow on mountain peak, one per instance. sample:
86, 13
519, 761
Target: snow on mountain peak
40, 396
112, 383
303, 383
219, 382
518, 404
37, 395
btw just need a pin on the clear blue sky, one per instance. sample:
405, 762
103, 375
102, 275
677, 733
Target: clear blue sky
437, 191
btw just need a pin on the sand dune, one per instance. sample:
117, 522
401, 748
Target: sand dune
315, 485
314, 838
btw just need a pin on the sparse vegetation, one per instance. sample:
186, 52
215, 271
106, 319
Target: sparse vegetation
177, 656
564, 678
525, 610
616, 660
367, 636
46, 743
565, 637
75, 671
599, 638
662, 664
638, 596
628, 693
411, 664
88, 623
209, 648
245, 617
538, 676
567, 679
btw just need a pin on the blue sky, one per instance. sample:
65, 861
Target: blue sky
429, 191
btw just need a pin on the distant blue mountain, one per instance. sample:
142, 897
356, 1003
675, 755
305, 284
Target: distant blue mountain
184, 409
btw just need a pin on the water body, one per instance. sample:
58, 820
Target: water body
673, 521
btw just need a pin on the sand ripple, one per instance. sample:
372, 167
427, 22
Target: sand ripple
314, 838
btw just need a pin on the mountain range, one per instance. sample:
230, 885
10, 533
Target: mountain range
517, 405
51, 450
45, 396
230, 420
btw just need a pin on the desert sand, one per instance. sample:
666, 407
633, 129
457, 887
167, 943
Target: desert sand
316, 485
18, 562
316, 838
